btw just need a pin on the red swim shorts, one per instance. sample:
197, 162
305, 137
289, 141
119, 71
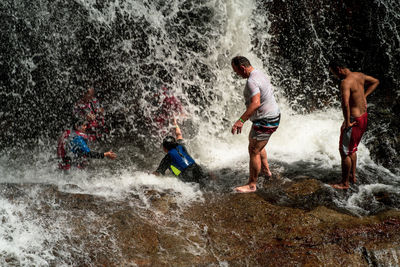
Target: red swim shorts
351, 137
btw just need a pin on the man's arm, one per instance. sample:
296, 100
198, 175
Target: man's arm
81, 148
99, 155
345, 91
254, 105
178, 132
164, 165
371, 83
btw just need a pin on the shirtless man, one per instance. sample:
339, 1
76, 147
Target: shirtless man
263, 111
354, 106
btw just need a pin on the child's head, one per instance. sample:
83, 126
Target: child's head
169, 143
79, 124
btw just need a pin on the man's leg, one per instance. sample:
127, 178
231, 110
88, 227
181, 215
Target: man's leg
255, 148
264, 163
352, 176
346, 169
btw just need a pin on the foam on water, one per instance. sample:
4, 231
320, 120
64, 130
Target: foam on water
121, 185
21, 236
356, 203
309, 138
98, 182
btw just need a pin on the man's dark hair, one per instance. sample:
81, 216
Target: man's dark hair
337, 64
169, 143
78, 122
240, 61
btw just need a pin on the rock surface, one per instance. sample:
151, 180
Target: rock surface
237, 229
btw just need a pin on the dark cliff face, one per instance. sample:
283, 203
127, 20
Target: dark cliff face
51, 52
305, 35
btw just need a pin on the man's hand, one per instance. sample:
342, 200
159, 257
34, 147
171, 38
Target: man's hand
349, 124
90, 117
237, 127
254, 105
110, 155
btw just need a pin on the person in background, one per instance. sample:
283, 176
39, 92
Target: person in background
354, 107
169, 107
178, 160
263, 111
72, 148
90, 109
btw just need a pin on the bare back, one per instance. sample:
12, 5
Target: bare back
357, 100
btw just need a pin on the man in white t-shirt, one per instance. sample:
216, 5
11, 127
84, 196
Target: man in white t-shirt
263, 111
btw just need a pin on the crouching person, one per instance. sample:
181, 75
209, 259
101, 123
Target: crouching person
178, 160
72, 149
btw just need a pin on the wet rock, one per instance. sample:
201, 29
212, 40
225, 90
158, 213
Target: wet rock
68, 187
164, 203
302, 192
383, 197
381, 256
302, 188
237, 229
254, 231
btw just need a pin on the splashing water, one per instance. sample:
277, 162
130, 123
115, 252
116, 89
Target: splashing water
130, 49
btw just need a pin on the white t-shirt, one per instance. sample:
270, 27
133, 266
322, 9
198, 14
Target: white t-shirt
258, 82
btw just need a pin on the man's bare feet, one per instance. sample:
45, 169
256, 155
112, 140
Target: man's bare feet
352, 179
248, 188
266, 173
340, 186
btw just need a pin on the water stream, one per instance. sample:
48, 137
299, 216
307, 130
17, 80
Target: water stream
129, 49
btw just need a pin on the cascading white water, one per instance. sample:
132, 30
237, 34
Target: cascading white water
304, 143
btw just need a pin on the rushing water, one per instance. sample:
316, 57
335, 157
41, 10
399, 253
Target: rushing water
52, 50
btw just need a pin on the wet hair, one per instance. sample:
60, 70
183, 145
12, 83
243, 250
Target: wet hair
169, 143
240, 61
78, 122
336, 64
86, 90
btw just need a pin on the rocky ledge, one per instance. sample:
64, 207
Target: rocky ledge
234, 229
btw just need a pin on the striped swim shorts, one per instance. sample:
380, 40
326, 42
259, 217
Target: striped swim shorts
262, 129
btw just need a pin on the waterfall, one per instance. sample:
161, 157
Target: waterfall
129, 50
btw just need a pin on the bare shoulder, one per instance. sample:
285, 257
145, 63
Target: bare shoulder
346, 83
353, 80
356, 76
362, 78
